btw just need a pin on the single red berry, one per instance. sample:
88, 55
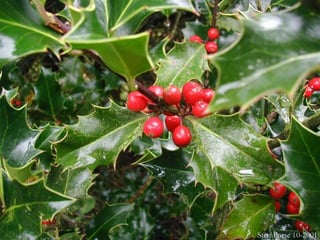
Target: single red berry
314, 83
278, 191
277, 205
200, 109
48, 222
153, 127
181, 136
302, 226
195, 38
211, 47
308, 92
208, 94
172, 95
294, 199
292, 209
213, 33
157, 90
192, 92
172, 122
16, 102
136, 101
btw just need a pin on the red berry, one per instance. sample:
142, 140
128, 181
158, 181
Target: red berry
16, 102
153, 127
211, 47
48, 222
302, 226
294, 199
192, 92
277, 206
136, 101
172, 122
308, 92
195, 38
314, 83
208, 94
200, 109
213, 33
172, 95
157, 90
278, 191
181, 136
292, 209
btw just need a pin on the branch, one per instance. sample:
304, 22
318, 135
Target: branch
214, 13
145, 91
51, 20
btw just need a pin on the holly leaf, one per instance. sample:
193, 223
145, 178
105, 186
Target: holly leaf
186, 61
127, 56
301, 156
17, 140
107, 219
48, 93
275, 51
98, 138
25, 206
171, 169
127, 16
23, 32
249, 217
73, 183
228, 152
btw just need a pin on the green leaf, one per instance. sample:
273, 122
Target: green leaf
127, 56
171, 169
302, 163
126, 16
249, 217
228, 152
26, 206
186, 61
73, 183
98, 138
23, 32
275, 51
48, 93
107, 219
17, 140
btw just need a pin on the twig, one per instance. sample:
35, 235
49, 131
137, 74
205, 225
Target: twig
141, 190
145, 91
214, 13
51, 20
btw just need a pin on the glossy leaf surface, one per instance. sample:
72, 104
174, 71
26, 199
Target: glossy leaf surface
126, 16
26, 206
275, 51
228, 152
98, 138
172, 170
249, 217
23, 32
48, 93
302, 162
16, 138
109, 217
126, 56
186, 61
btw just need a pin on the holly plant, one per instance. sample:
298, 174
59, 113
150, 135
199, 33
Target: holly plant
167, 119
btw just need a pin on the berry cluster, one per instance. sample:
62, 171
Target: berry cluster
278, 192
211, 44
313, 85
174, 103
